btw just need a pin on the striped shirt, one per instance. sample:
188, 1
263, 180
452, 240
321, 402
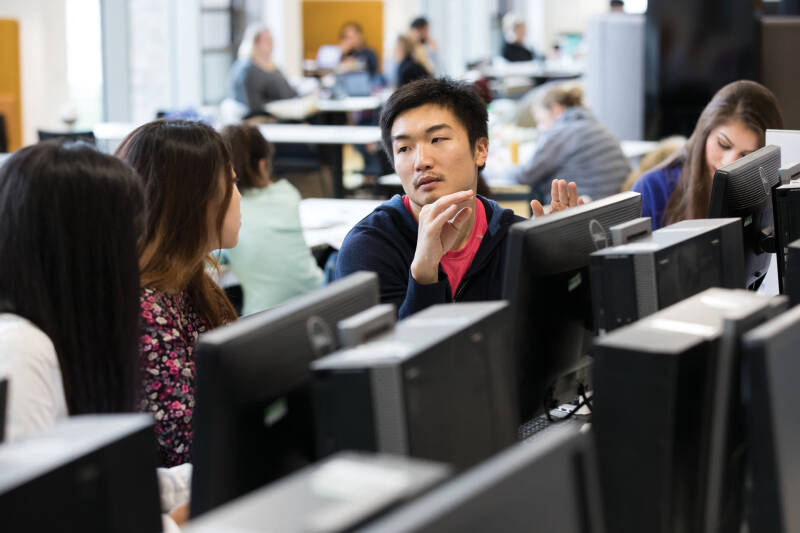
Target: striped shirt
576, 148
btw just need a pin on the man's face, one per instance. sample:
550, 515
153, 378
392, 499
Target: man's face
432, 154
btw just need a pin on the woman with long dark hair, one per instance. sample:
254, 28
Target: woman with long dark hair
70, 218
193, 209
732, 125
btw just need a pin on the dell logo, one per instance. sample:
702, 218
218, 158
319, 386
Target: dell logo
598, 234
320, 336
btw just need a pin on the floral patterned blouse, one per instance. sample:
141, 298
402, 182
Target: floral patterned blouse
170, 327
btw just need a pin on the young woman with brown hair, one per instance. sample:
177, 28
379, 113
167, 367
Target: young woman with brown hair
193, 209
732, 125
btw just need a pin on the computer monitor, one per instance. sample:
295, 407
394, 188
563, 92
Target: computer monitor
744, 189
770, 353
666, 413
791, 282
546, 280
637, 279
92, 473
786, 203
440, 386
3, 403
252, 421
335, 494
545, 484
353, 84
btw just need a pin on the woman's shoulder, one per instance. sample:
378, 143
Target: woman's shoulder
659, 178
21, 335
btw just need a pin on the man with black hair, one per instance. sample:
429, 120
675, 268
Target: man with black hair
440, 242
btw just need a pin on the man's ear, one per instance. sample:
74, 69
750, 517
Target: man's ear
481, 151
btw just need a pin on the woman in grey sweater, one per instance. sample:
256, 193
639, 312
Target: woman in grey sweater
255, 80
573, 145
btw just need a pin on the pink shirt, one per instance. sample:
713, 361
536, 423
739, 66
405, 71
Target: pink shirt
455, 263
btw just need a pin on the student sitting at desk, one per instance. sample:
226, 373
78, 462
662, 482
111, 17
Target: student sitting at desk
271, 260
254, 78
355, 54
412, 61
732, 125
574, 145
192, 209
440, 242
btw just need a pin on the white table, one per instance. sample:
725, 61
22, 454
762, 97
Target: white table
329, 135
328, 220
302, 108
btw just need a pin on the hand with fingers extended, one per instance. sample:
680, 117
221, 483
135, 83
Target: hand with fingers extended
563, 196
440, 229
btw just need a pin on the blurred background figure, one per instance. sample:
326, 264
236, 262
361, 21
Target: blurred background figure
412, 60
271, 259
617, 6
514, 48
254, 78
356, 55
572, 145
421, 32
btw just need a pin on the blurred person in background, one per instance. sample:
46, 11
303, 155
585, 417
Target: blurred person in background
514, 48
572, 145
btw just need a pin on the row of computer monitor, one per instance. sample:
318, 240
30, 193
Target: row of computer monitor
281, 389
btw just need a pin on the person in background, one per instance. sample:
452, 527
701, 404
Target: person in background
663, 150
420, 30
617, 6
573, 145
271, 260
355, 54
412, 61
254, 78
514, 48
192, 209
69, 282
732, 125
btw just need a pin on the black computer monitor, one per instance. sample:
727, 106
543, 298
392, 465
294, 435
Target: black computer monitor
666, 414
791, 282
335, 494
441, 386
547, 282
744, 189
545, 484
93, 473
633, 280
786, 203
253, 422
770, 353
3, 402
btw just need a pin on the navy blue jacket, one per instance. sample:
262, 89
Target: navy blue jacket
385, 241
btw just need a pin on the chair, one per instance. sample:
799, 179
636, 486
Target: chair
85, 136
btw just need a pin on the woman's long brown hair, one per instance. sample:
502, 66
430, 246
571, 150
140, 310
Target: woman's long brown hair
746, 101
180, 163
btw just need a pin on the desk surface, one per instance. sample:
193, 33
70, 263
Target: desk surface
300, 108
315, 134
328, 220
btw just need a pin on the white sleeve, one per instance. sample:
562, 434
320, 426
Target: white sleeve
174, 486
35, 390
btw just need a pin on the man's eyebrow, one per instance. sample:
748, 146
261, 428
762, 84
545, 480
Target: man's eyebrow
428, 131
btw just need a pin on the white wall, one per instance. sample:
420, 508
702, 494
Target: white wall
43, 61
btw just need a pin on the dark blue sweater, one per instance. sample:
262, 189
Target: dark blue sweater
385, 241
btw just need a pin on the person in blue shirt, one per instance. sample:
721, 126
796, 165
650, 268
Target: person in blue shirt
441, 241
732, 125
